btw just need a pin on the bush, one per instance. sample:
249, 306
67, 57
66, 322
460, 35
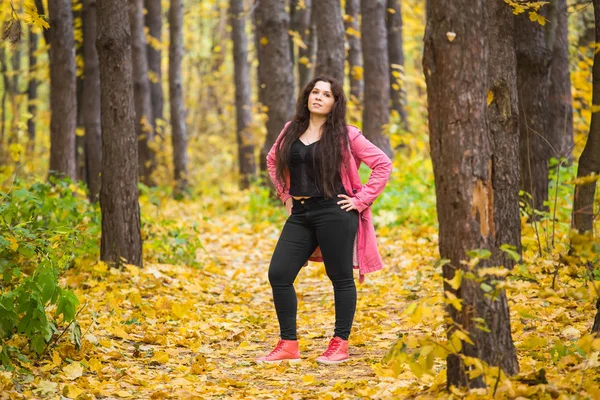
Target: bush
43, 230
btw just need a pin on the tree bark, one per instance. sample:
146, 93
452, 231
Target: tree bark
121, 238
560, 124
354, 50
243, 101
63, 95
377, 80
91, 100
461, 142
396, 60
589, 162
179, 134
503, 120
153, 20
32, 85
141, 90
533, 80
330, 39
301, 22
276, 79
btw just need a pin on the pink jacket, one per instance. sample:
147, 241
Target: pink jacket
367, 258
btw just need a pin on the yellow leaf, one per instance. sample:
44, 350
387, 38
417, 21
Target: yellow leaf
264, 41
120, 332
179, 310
95, 365
56, 360
490, 97
160, 357
72, 391
453, 301
14, 245
123, 393
308, 379
456, 280
73, 370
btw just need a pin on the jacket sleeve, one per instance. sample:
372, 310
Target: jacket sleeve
381, 169
280, 187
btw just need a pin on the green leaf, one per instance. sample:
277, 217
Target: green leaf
486, 288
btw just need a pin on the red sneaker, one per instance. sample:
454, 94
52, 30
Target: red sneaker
286, 350
337, 352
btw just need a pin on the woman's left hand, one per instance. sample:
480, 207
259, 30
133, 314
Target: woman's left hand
346, 202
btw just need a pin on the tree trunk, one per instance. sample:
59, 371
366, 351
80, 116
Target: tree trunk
63, 90
560, 124
153, 20
455, 40
396, 60
275, 69
302, 23
243, 101
141, 91
121, 238
503, 120
589, 162
91, 100
533, 80
32, 85
354, 50
179, 134
377, 80
330, 47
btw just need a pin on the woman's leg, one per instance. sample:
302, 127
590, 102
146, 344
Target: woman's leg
295, 245
336, 230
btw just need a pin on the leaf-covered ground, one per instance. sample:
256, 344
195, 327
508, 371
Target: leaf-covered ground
168, 331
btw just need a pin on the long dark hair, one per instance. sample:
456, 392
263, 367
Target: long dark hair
328, 156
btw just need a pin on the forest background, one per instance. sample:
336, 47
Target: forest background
183, 198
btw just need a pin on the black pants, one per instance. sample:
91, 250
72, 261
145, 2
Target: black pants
315, 221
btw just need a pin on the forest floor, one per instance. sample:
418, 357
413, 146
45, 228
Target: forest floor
167, 331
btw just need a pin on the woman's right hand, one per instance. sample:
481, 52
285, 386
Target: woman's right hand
288, 205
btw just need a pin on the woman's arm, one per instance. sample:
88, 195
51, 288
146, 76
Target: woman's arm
280, 187
381, 167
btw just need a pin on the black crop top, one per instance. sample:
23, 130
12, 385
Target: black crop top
303, 176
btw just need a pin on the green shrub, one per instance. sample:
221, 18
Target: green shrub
43, 230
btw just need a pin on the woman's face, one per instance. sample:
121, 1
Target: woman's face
320, 99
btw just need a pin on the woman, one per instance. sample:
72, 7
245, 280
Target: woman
314, 167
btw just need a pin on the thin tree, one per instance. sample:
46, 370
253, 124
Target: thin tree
330, 39
63, 97
178, 125
396, 60
32, 86
560, 125
301, 23
153, 21
377, 80
121, 237
533, 81
243, 101
455, 41
354, 50
589, 162
91, 100
275, 72
141, 90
